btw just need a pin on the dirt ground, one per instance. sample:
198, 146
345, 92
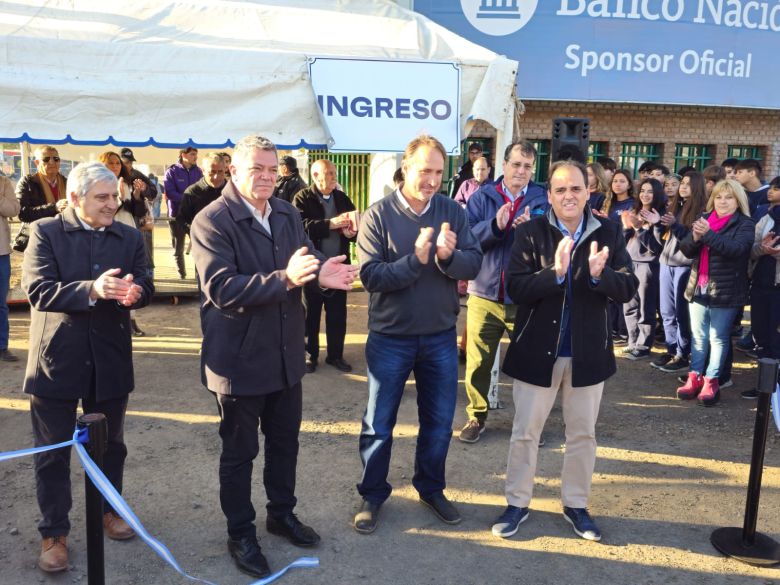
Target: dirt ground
667, 474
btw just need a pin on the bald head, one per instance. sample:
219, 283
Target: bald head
323, 174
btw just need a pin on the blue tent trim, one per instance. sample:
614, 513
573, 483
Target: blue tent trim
151, 142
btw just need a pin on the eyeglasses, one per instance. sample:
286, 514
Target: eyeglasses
46, 159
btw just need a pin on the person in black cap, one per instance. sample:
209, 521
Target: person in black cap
289, 181
150, 192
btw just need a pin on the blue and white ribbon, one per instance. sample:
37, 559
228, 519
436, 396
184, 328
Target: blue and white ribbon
776, 406
116, 501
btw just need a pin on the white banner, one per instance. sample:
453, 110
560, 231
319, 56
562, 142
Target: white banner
379, 106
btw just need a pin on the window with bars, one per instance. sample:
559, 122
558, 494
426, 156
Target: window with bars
634, 154
542, 160
697, 156
597, 150
743, 152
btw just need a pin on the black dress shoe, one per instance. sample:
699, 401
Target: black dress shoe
443, 508
339, 364
248, 556
292, 529
311, 365
367, 517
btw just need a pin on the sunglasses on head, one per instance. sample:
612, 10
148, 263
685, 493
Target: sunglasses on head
46, 159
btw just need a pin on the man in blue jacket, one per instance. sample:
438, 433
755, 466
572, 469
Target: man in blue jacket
493, 212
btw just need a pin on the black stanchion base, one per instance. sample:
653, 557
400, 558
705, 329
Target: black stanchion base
762, 553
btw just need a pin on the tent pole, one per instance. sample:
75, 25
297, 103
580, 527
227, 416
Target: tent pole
25, 147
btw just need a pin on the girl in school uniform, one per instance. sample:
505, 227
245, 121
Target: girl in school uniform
644, 250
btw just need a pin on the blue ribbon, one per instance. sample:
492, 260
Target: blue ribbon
81, 436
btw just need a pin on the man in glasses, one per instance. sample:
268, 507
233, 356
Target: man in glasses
42, 193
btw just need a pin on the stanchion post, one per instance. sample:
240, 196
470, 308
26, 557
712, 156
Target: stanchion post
747, 545
98, 431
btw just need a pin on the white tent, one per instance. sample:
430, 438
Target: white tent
205, 72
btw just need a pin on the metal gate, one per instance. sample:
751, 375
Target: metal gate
352, 170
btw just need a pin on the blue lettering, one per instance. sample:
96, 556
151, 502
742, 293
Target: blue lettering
420, 109
341, 108
384, 105
402, 108
365, 110
379, 107
447, 109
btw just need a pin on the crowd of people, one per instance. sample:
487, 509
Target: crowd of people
568, 270
703, 245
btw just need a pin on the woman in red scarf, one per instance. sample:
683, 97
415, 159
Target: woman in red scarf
719, 244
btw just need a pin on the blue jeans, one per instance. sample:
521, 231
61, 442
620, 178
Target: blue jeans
5, 279
390, 360
711, 329
674, 309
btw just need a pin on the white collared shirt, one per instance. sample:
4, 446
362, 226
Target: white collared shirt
262, 218
88, 227
405, 203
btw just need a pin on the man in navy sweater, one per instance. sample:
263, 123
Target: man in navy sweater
414, 245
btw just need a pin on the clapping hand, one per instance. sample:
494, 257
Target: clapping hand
422, 245
109, 287
668, 219
446, 242
650, 216
769, 245
502, 216
563, 256
700, 227
525, 216
301, 268
597, 259
337, 275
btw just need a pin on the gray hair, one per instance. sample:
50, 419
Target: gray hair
249, 143
85, 176
38, 152
211, 158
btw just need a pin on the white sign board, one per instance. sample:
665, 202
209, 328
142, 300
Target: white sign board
379, 106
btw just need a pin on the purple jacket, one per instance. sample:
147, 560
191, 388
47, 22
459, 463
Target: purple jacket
177, 179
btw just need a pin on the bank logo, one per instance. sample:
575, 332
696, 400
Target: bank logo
498, 17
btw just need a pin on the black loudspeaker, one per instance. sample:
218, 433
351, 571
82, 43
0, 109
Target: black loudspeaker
570, 139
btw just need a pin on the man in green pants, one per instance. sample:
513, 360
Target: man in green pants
493, 212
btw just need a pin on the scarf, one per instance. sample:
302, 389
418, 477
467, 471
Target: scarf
44, 182
716, 224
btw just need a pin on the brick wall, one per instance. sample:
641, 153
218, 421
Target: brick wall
663, 125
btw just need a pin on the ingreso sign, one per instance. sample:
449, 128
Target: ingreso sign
379, 106
710, 52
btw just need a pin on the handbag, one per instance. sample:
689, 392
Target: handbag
22, 238
146, 223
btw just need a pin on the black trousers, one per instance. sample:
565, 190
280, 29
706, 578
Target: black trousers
279, 417
178, 234
53, 421
335, 321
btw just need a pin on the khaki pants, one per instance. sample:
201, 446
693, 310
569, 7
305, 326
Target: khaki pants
532, 407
